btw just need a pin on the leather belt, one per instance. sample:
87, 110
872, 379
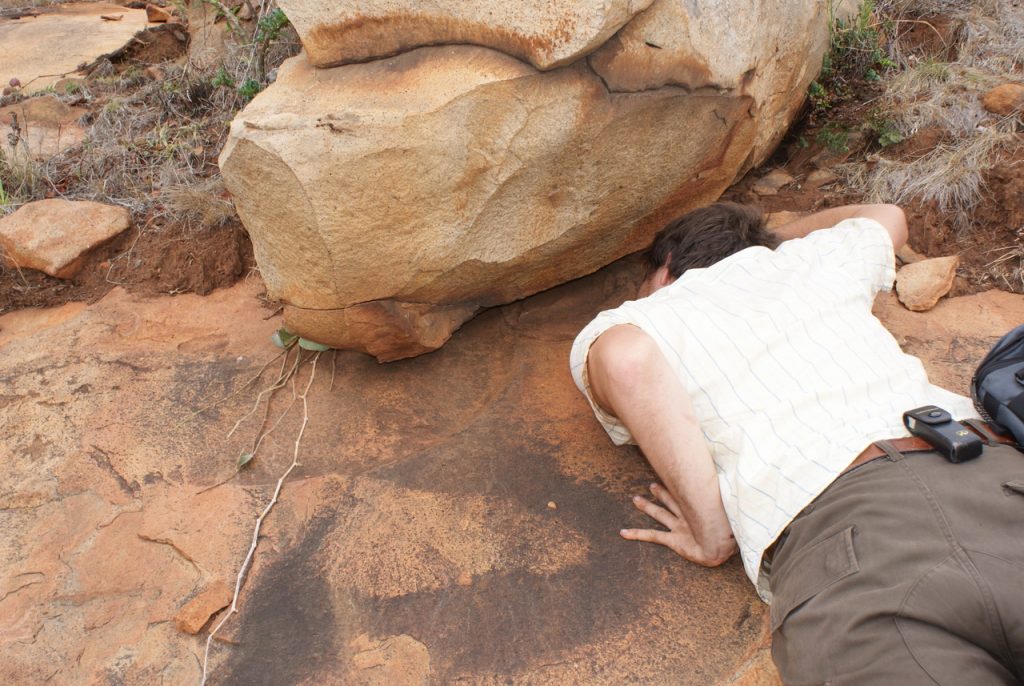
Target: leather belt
915, 444
906, 444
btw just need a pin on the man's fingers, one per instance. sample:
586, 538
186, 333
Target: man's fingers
655, 512
662, 494
648, 536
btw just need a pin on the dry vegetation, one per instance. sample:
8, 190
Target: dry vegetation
897, 113
155, 125
983, 43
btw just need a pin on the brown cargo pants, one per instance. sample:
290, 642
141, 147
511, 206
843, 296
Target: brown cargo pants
907, 570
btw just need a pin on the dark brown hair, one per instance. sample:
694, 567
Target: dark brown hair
706, 235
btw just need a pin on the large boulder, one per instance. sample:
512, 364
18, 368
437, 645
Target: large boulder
390, 200
411, 191
546, 34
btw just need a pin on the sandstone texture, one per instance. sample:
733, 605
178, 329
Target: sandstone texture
73, 34
198, 611
47, 127
453, 178
1005, 100
769, 50
543, 33
54, 235
414, 543
920, 284
391, 200
158, 15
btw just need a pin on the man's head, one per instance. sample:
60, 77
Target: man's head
701, 238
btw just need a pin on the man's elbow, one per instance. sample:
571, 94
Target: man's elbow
893, 219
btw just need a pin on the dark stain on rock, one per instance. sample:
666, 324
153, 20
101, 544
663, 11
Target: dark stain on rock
288, 626
201, 383
507, 621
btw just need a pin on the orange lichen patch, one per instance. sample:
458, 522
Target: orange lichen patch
365, 38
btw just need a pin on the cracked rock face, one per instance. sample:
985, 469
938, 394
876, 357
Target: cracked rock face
391, 200
546, 34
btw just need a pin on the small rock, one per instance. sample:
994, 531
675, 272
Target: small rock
111, 17
54, 235
920, 285
908, 255
552, 505
158, 15
197, 612
1004, 100
820, 177
67, 85
15, 83
829, 157
772, 182
46, 126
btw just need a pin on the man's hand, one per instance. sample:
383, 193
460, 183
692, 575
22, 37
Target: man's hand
679, 536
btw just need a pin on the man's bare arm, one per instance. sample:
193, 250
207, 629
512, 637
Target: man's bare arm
630, 378
889, 216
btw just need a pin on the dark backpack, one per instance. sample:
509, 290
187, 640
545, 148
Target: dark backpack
998, 386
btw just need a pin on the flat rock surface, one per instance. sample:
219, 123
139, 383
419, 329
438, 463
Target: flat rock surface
47, 126
40, 50
53, 235
414, 544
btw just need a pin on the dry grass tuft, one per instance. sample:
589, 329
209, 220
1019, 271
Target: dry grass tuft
151, 144
945, 97
199, 205
951, 175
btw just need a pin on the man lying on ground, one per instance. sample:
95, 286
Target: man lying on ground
769, 400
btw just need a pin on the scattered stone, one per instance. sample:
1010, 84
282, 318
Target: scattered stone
41, 50
111, 17
552, 505
772, 182
68, 85
820, 177
46, 127
830, 157
158, 15
15, 83
55, 235
197, 612
1005, 100
543, 33
908, 255
921, 284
